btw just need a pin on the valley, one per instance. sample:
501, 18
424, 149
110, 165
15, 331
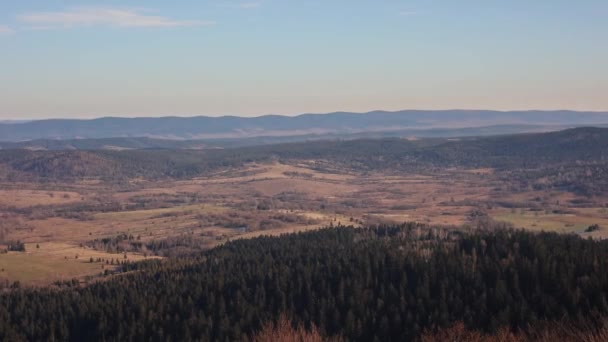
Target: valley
65, 224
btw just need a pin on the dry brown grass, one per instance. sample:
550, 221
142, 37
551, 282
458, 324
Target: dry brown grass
574, 222
28, 198
331, 197
276, 170
45, 263
283, 330
272, 187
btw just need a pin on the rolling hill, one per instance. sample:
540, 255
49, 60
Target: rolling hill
230, 127
575, 158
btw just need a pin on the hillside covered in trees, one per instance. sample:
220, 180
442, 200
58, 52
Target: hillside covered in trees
387, 283
575, 160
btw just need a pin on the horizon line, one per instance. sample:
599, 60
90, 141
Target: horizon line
190, 116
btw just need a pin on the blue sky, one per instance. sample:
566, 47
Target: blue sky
219, 57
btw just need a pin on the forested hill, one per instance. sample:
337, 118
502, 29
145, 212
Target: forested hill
519, 150
568, 148
202, 127
376, 284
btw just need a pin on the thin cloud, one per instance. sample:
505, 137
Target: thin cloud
408, 13
250, 5
110, 17
241, 5
6, 30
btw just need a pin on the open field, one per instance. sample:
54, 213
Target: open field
27, 198
55, 261
574, 221
146, 218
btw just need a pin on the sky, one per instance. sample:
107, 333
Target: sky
83, 59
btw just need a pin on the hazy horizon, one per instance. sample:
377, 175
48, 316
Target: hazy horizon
5, 120
87, 59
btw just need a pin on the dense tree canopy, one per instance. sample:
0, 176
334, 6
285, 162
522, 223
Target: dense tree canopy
383, 283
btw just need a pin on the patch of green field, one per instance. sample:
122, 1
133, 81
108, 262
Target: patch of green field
30, 268
45, 263
563, 223
147, 213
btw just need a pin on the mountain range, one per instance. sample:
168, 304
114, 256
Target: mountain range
406, 122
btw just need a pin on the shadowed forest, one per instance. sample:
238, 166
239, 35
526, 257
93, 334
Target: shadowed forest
388, 283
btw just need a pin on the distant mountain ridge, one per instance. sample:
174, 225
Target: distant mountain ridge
203, 127
138, 143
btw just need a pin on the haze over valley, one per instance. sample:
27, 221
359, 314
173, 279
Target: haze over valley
275, 128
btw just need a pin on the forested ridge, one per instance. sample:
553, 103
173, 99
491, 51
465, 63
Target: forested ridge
384, 283
574, 160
